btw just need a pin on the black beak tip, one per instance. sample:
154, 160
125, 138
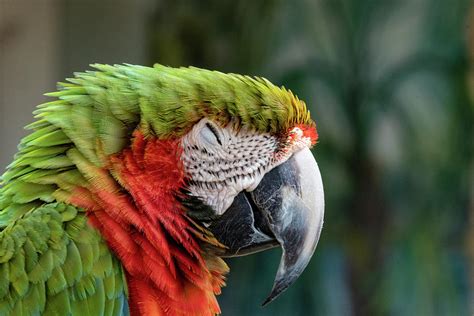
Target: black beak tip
273, 295
278, 288
281, 284
268, 300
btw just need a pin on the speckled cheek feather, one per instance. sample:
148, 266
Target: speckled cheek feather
220, 162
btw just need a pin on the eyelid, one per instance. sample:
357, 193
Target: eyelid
214, 131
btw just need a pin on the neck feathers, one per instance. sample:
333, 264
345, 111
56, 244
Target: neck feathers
138, 214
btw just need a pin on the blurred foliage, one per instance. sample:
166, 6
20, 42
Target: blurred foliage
386, 83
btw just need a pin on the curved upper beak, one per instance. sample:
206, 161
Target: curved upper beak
286, 209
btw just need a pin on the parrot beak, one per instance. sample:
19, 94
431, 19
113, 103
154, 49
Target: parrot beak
286, 209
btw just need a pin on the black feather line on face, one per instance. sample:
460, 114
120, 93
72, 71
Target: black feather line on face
195, 207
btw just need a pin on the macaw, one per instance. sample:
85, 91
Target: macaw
135, 182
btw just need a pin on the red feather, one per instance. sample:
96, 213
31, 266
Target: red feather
147, 229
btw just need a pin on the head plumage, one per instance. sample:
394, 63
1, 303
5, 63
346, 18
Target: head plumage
172, 100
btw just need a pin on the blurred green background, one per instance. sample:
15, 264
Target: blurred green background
389, 84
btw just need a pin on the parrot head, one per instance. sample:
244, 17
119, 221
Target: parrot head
179, 168
256, 190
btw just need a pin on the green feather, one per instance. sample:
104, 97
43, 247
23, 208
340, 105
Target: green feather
57, 282
23, 192
38, 134
120, 306
58, 137
113, 134
109, 306
39, 124
43, 269
68, 213
75, 227
96, 302
7, 248
21, 284
73, 265
31, 256
39, 176
32, 301
5, 307
13, 173
18, 277
103, 266
52, 261
37, 235
109, 286
4, 280
84, 288
87, 256
52, 162
18, 308
37, 152
58, 304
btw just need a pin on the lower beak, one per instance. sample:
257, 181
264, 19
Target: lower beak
285, 209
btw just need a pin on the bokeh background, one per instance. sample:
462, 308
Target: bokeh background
390, 86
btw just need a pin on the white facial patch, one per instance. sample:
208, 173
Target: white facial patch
221, 162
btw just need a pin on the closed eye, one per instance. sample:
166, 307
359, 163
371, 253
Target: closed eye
213, 129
